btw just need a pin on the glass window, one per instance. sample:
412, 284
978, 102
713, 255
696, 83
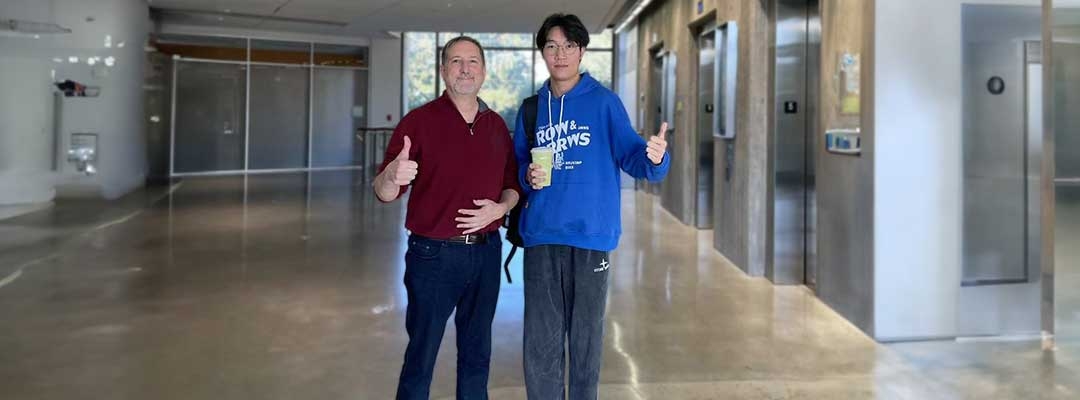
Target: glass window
600, 41
598, 64
507, 82
446, 37
340, 100
419, 66
540, 72
278, 131
515, 68
505, 40
210, 118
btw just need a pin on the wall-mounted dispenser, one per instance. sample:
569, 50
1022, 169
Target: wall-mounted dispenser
843, 141
82, 151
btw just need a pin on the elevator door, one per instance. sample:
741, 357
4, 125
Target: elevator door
707, 111
656, 100
674, 192
792, 202
727, 228
673, 195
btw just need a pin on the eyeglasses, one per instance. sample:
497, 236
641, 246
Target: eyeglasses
569, 48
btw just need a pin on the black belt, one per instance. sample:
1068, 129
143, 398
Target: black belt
475, 238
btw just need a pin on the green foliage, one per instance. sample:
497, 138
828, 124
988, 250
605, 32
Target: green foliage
514, 71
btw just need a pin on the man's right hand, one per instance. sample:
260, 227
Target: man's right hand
536, 176
402, 171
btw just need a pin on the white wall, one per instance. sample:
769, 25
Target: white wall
385, 83
116, 115
26, 125
917, 169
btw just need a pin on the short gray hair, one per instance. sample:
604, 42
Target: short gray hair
454, 41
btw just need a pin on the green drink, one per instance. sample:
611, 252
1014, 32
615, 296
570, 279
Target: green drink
544, 157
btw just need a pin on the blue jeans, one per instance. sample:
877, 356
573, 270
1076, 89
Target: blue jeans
439, 277
565, 297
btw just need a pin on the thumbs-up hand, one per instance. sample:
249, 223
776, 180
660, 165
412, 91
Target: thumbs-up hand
402, 171
657, 146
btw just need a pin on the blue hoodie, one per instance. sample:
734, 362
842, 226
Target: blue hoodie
590, 132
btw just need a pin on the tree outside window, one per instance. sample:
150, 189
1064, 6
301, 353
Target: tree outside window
514, 68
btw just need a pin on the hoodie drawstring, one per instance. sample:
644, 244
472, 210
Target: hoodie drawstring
562, 102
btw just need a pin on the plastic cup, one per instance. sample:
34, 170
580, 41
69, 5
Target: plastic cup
543, 156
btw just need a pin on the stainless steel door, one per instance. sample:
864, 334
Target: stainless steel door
1066, 150
813, 90
706, 112
790, 202
656, 100
675, 189
726, 211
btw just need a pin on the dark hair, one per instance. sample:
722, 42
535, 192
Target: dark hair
454, 41
571, 26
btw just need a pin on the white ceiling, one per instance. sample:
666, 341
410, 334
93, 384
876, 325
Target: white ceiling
375, 17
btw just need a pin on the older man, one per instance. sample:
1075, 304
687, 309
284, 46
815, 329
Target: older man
457, 155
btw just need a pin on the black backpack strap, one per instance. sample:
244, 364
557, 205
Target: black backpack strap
528, 115
506, 264
529, 118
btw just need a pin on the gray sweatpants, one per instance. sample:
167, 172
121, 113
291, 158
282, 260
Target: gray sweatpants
565, 297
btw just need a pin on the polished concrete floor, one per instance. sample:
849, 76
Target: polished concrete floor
289, 287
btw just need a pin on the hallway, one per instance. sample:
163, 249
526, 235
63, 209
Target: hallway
289, 287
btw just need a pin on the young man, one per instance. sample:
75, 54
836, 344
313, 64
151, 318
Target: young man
456, 153
570, 226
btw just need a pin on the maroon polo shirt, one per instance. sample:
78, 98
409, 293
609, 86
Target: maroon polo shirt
456, 165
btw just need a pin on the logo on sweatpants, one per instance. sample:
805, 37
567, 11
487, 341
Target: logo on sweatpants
604, 265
